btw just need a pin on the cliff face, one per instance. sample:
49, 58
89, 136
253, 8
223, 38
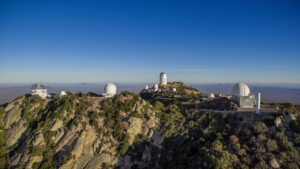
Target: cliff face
74, 131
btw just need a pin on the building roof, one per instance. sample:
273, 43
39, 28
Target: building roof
240, 89
38, 86
110, 88
163, 74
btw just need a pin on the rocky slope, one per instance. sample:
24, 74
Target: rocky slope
75, 131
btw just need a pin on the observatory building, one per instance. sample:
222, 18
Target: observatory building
155, 87
62, 93
211, 96
242, 96
40, 90
110, 90
146, 87
163, 80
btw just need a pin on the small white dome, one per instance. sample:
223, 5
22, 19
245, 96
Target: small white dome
240, 89
110, 89
63, 93
146, 87
211, 95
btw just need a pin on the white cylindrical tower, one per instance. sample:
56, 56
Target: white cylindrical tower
258, 103
155, 87
146, 87
163, 80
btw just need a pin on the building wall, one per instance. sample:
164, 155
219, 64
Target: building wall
40, 92
245, 101
163, 81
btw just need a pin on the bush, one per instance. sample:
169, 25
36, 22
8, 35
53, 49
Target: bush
217, 146
93, 119
124, 146
271, 145
261, 127
159, 106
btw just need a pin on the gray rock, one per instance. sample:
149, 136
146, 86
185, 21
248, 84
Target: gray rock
274, 163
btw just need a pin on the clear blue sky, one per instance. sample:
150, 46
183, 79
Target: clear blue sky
133, 41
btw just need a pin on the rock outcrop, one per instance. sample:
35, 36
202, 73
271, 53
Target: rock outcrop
72, 131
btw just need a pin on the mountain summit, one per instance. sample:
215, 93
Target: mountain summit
166, 129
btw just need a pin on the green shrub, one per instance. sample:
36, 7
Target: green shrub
159, 106
271, 145
261, 127
124, 146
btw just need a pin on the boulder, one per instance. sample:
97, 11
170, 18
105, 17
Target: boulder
39, 140
145, 130
151, 122
12, 116
15, 133
278, 122
134, 128
56, 125
32, 160
78, 147
274, 163
101, 159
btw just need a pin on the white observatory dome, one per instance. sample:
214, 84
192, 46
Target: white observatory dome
110, 89
211, 95
63, 93
174, 89
240, 89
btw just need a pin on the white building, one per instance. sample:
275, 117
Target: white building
174, 89
155, 87
163, 80
110, 90
62, 93
146, 87
40, 90
242, 96
211, 96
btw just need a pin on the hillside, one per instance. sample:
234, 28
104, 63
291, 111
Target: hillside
129, 131
76, 131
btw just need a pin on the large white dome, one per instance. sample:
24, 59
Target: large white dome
240, 89
110, 89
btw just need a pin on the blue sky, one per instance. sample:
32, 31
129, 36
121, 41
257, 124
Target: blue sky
133, 41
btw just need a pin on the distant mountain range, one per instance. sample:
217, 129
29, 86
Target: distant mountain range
270, 93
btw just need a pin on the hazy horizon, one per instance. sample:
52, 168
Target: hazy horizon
269, 93
282, 84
